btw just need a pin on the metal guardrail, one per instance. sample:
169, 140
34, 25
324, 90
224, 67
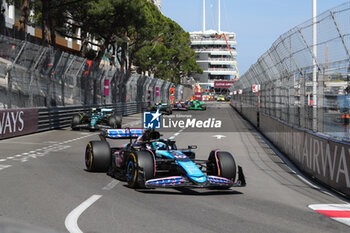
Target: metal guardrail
59, 117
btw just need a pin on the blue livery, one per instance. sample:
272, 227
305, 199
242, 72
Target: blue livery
153, 162
192, 171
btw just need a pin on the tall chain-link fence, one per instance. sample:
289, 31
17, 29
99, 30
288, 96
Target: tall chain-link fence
34, 76
280, 84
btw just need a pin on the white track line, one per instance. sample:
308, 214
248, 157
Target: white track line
71, 221
177, 134
111, 185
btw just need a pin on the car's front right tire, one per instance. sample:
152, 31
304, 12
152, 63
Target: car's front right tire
75, 121
140, 167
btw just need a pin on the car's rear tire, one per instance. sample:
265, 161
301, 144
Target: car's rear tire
119, 120
75, 121
222, 163
97, 156
112, 122
139, 168
115, 122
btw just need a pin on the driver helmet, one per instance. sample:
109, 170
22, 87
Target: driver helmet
159, 145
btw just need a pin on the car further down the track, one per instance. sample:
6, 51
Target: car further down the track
163, 108
96, 119
196, 105
180, 106
220, 98
152, 162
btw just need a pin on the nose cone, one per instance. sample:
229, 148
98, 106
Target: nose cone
93, 122
200, 179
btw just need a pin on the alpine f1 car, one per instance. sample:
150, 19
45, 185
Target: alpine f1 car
180, 106
163, 108
196, 105
96, 119
152, 162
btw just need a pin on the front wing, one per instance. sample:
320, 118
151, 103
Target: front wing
180, 109
181, 181
88, 126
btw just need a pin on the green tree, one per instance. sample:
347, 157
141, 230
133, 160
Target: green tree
118, 22
168, 54
135, 29
50, 15
76, 18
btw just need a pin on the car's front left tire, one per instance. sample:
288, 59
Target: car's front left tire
97, 156
222, 163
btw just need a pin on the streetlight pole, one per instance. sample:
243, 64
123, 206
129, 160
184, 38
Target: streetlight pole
203, 16
314, 66
219, 17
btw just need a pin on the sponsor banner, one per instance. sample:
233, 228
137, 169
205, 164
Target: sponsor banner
14, 122
223, 84
106, 87
326, 160
198, 95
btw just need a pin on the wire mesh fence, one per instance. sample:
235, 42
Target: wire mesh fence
280, 84
35, 76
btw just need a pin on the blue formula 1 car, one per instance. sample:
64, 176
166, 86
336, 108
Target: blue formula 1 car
152, 162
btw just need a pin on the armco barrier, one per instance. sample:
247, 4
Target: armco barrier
15, 122
321, 158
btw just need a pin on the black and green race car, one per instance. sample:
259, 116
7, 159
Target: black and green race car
96, 119
196, 105
163, 108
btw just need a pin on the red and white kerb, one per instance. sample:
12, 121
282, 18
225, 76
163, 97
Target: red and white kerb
338, 212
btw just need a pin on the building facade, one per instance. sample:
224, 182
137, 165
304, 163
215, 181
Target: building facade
158, 3
213, 55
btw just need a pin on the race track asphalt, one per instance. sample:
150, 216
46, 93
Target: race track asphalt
43, 179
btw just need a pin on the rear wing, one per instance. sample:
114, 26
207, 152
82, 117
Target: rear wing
121, 133
107, 110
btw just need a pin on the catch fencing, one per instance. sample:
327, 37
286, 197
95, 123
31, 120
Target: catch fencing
284, 77
35, 76
307, 119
